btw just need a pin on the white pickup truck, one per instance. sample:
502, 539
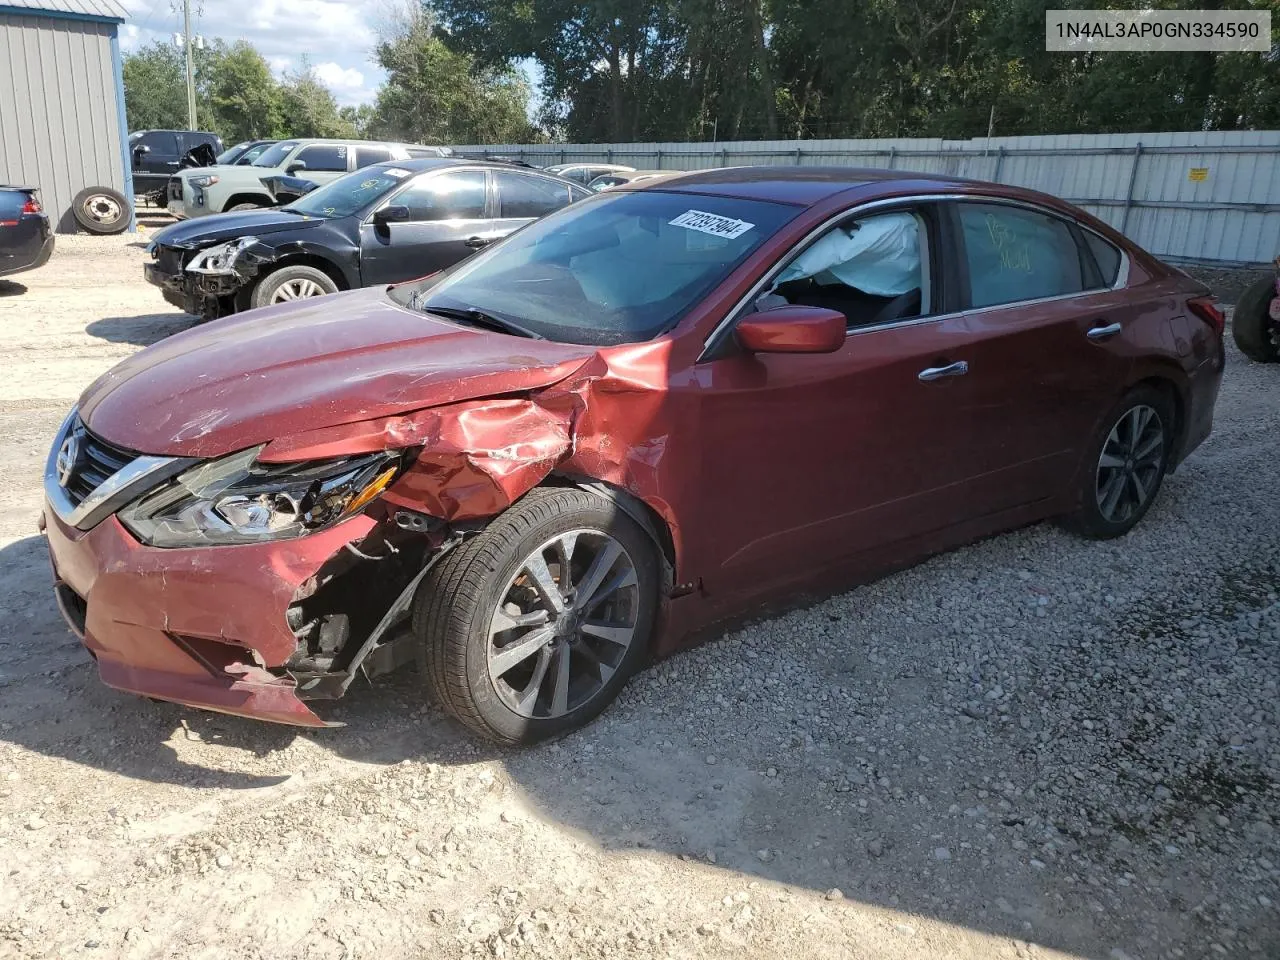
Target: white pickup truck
204, 190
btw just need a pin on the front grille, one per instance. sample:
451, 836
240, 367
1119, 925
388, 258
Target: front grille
175, 188
95, 461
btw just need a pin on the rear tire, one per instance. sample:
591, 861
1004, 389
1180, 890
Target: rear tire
297, 282
101, 210
1252, 328
1125, 465
494, 649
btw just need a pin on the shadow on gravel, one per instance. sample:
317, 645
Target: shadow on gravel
143, 330
953, 829
9, 288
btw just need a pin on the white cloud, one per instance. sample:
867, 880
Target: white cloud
336, 35
339, 78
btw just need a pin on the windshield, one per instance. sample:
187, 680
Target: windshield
276, 154
346, 195
617, 268
232, 153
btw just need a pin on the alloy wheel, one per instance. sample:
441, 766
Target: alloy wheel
564, 624
1130, 463
299, 289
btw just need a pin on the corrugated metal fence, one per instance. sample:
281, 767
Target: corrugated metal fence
1195, 197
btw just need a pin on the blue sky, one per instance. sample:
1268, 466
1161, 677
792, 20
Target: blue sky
337, 35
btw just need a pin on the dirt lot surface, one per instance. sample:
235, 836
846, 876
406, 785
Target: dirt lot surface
1033, 747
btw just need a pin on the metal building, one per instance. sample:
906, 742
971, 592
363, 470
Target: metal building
62, 100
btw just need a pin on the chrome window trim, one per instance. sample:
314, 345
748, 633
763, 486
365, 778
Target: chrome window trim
122, 487
731, 317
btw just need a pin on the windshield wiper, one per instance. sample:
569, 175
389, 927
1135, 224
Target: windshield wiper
477, 317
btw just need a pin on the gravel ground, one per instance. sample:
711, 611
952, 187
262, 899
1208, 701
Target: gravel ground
1032, 747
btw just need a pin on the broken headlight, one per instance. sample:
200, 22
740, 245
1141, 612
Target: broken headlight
237, 500
219, 258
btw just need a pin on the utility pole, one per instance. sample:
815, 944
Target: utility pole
191, 70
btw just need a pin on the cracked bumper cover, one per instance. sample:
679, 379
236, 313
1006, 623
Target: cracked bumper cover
201, 627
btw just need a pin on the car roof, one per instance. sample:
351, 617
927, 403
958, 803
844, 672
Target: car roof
418, 164
805, 186
342, 141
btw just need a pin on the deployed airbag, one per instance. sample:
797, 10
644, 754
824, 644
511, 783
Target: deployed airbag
879, 256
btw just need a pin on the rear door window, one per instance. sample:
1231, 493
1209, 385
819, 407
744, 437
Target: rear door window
1014, 254
324, 157
162, 142
446, 196
521, 197
368, 155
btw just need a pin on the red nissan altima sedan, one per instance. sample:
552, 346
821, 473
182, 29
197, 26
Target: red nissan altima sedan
650, 411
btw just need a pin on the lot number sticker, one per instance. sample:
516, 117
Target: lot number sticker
712, 223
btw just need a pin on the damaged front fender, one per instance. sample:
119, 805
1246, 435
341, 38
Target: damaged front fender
476, 458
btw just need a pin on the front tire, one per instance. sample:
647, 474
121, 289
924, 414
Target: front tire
532, 627
1255, 333
292, 283
1125, 466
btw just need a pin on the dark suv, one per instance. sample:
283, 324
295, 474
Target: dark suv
156, 155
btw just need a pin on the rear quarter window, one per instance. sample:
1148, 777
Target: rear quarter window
1106, 255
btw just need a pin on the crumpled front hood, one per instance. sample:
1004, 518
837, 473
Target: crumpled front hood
270, 373
204, 231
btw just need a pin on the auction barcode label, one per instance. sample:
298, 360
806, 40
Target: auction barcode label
1074, 31
712, 223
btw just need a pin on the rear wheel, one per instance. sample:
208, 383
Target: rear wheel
292, 283
1255, 333
532, 627
1126, 466
101, 210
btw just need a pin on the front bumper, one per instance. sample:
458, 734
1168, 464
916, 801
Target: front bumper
202, 626
192, 292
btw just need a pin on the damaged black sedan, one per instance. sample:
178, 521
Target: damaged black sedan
382, 224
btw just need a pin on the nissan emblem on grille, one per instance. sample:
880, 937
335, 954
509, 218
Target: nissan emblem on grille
68, 454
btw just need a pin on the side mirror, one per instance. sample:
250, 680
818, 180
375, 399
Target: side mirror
294, 167
140, 151
792, 329
391, 213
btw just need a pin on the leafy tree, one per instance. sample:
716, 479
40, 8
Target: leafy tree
309, 108
155, 88
246, 101
435, 94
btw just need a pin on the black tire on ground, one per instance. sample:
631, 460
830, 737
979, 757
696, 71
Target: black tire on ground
101, 210
296, 282
244, 206
456, 603
1090, 519
1251, 324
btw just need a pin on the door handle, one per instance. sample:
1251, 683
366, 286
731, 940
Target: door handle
1102, 333
476, 242
957, 369
171, 163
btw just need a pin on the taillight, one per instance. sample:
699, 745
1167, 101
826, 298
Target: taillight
32, 206
1207, 309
